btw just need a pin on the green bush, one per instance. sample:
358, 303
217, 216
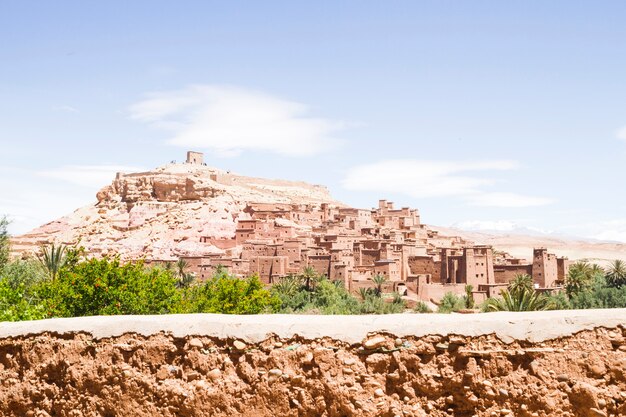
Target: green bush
229, 295
106, 287
599, 295
451, 302
4, 242
18, 303
22, 272
422, 307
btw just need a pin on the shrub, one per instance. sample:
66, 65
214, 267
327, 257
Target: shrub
599, 295
17, 303
422, 307
4, 242
519, 298
105, 287
230, 295
451, 302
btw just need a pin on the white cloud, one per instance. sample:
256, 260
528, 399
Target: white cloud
508, 200
88, 175
230, 120
422, 179
621, 134
426, 179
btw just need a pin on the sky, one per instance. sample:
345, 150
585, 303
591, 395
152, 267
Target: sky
485, 115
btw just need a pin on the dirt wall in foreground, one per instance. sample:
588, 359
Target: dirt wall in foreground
76, 374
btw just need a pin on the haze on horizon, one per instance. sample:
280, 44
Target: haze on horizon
483, 115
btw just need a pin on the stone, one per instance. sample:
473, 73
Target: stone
275, 372
379, 392
533, 367
307, 359
195, 343
214, 374
374, 342
596, 412
239, 345
192, 376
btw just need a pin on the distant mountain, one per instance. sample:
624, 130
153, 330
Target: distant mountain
520, 242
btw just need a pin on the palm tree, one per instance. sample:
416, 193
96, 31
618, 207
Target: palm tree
580, 277
52, 258
523, 299
364, 292
469, 296
379, 280
521, 282
181, 267
186, 280
309, 274
616, 273
288, 286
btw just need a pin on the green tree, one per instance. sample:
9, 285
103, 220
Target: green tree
469, 296
599, 295
181, 267
26, 272
52, 258
616, 274
519, 299
379, 280
4, 242
451, 302
309, 275
17, 303
580, 277
521, 282
106, 287
230, 295
287, 286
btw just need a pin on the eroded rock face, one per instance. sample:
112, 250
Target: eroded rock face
161, 187
162, 214
45, 375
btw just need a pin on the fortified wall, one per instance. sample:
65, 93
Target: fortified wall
555, 363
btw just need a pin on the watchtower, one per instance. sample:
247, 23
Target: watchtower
196, 158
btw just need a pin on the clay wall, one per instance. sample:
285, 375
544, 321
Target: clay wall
507, 273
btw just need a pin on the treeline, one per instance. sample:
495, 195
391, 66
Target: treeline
62, 282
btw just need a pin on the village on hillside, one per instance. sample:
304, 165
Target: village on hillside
354, 245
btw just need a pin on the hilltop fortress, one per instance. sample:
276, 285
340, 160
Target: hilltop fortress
274, 228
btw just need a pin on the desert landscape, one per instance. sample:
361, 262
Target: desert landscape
312, 209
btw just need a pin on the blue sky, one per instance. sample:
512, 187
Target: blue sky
482, 114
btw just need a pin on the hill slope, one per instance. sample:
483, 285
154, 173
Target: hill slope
162, 214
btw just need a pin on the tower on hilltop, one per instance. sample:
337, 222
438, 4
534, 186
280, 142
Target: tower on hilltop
196, 158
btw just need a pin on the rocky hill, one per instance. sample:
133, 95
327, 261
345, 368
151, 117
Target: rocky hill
162, 214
